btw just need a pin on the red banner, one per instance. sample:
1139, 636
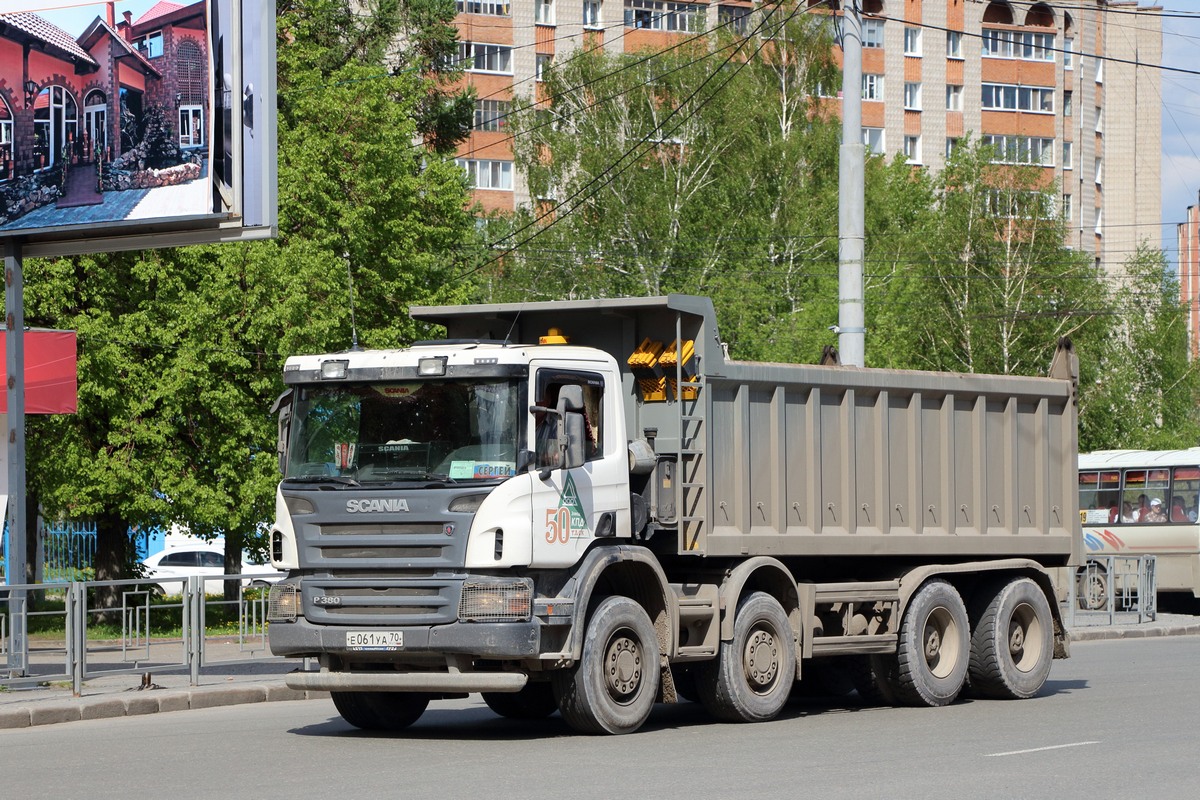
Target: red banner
50, 380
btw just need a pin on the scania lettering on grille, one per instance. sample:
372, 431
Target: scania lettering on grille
376, 506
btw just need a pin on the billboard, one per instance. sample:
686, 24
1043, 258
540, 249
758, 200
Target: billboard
136, 123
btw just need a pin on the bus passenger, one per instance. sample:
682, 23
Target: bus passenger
1156, 513
1127, 512
1178, 514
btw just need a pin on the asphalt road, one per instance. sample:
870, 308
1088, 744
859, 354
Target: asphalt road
1121, 718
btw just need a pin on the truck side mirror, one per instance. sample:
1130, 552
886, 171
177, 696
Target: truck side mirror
574, 453
283, 407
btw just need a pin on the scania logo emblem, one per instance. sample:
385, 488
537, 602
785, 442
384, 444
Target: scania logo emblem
376, 506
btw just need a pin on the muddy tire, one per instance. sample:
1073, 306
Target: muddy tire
752, 676
613, 686
1012, 645
534, 701
930, 665
380, 711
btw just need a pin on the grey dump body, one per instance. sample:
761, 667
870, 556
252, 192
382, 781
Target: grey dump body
806, 460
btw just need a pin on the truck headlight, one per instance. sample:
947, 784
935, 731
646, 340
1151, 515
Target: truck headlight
496, 601
283, 603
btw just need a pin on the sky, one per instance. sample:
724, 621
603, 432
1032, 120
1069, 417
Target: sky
1180, 116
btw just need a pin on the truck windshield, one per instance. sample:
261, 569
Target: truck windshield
423, 430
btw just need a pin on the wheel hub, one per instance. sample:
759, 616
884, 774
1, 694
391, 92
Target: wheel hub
1016, 640
623, 666
761, 658
933, 644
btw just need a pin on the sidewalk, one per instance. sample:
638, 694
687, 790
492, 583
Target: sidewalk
122, 695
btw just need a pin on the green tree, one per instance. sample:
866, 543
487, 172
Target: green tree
705, 169
1145, 390
180, 351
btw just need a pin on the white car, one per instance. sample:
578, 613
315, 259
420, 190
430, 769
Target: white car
179, 563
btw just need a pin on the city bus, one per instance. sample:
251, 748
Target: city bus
1143, 502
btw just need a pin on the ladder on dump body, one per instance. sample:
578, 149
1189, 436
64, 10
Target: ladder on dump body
690, 503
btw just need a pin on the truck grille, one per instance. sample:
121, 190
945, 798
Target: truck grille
380, 601
382, 546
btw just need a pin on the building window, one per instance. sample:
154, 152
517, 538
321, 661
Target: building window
1099, 70
952, 143
1068, 53
492, 8
912, 42
543, 12
872, 87
912, 96
872, 33
55, 125
191, 126
1024, 45
543, 63
487, 174
873, 139
1099, 171
1012, 149
6, 141
1068, 104
1068, 156
150, 45
954, 44
735, 19
477, 57
491, 115
591, 14
95, 124
657, 15
1007, 97
912, 149
1100, 222
954, 94
1099, 119
1066, 207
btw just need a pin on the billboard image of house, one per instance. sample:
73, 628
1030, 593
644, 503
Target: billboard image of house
108, 112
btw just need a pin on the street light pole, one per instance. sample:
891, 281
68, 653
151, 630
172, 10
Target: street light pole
851, 195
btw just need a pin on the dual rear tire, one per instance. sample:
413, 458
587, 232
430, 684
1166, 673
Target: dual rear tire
1005, 654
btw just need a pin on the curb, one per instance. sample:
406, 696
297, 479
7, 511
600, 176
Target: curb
1133, 632
108, 707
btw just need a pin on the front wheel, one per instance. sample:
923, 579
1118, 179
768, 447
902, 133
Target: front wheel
380, 711
1012, 645
534, 701
613, 686
752, 675
1091, 587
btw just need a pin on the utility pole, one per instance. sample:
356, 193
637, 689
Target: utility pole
851, 195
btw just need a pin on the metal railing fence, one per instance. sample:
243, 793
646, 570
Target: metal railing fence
67, 637
1113, 589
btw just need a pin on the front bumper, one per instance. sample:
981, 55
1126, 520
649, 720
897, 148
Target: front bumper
438, 682
492, 640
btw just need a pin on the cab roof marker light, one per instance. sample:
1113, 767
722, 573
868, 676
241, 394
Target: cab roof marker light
432, 367
334, 369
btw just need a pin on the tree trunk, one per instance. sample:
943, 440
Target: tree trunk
112, 559
233, 562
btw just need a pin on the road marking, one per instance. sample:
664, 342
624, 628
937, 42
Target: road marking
1039, 749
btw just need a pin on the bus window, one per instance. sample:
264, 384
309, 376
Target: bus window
1098, 496
1185, 489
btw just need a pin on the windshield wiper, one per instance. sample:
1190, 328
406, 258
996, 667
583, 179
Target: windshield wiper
323, 479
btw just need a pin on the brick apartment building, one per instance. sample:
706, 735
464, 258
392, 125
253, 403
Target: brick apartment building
1047, 83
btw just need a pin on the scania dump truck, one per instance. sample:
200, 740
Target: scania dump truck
588, 507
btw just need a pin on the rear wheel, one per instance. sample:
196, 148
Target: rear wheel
613, 686
930, 665
534, 701
752, 675
380, 711
1012, 645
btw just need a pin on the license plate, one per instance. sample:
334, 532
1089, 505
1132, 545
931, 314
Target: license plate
374, 640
